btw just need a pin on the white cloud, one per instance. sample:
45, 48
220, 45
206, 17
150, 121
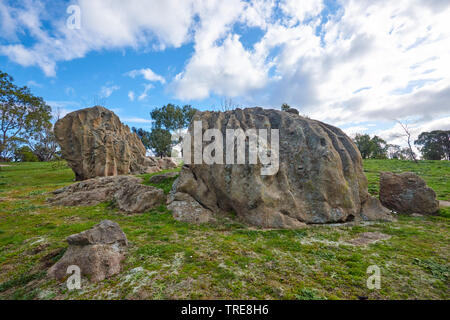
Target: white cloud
352, 131
227, 70
105, 24
32, 83
118, 23
107, 90
69, 91
367, 61
144, 94
147, 74
299, 10
62, 108
131, 95
8, 24
258, 13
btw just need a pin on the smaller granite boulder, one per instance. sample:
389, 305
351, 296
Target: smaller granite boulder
98, 252
407, 193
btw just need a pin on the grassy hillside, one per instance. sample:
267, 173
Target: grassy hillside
435, 173
173, 260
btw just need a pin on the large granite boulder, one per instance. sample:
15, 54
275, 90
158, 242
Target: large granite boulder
95, 144
320, 178
407, 193
126, 192
98, 252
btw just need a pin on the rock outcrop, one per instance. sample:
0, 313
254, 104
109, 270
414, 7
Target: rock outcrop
407, 193
320, 177
95, 144
98, 252
126, 192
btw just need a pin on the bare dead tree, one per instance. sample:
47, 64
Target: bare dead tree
99, 101
56, 114
43, 143
227, 104
94, 100
407, 136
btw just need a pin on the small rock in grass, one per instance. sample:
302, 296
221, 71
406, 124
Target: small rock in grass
98, 252
407, 193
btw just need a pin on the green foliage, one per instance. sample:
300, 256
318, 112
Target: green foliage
434, 145
440, 271
307, 294
21, 280
396, 152
22, 114
144, 136
160, 142
172, 117
167, 119
373, 148
285, 107
43, 143
25, 154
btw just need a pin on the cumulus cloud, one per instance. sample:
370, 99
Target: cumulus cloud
299, 10
354, 61
144, 94
227, 70
147, 74
32, 83
8, 24
108, 24
107, 90
352, 131
131, 95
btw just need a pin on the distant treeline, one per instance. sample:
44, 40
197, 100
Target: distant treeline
26, 130
434, 145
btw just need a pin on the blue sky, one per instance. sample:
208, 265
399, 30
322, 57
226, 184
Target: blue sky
358, 65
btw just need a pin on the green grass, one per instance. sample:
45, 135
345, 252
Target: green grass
168, 259
165, 185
